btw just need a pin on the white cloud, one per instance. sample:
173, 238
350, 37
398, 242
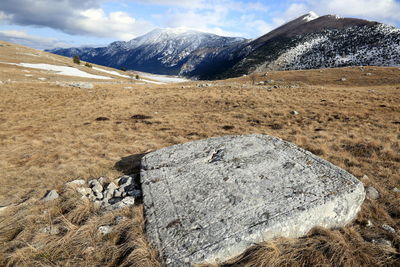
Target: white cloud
115, 24
26, 39
217, 17
296, 10
185, 3
74, 17
381, 10
4, 17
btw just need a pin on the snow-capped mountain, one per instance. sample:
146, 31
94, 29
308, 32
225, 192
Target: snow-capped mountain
161, 51
310, 41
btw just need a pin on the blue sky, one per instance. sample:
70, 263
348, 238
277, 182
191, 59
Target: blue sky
47, 24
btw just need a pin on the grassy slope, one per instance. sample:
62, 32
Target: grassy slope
49, 135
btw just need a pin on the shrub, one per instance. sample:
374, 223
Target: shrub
76, 60
87, 64
253, 77
137, 77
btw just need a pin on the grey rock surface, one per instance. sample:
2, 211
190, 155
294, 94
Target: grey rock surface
209, 200
50, 195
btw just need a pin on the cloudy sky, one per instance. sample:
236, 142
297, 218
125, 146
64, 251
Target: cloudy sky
47, 24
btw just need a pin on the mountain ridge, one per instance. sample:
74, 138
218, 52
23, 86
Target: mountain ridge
309, 41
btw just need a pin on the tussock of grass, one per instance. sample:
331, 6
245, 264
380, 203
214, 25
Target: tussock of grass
78, 242
344, 247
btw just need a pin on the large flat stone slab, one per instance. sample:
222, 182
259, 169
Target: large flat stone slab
207, 201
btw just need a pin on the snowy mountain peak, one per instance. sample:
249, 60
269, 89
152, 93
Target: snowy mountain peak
310, 16
176, 31
336, 16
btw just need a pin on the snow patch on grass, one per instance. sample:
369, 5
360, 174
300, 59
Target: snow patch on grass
111, 72
164, 79
62, 70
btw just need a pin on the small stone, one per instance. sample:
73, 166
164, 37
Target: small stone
129, 201
115, 200
51, 230
343, 79
50, 195
136, 193
294, 112
76, 182
372, 193
92, 197
396, 190
125, 180
117, 193
3, 209
364, 178
119, 219
89, 250
102, 181
105, 229
99, 196
84, 191
110, 189
370, 224
382, 241
111, 186
97, 204
388, 228
368, 74
96, 186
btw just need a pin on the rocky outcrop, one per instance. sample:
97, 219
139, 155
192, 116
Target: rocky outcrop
209, 200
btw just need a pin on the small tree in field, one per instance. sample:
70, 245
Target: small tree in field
137, 77
253, 77
76, 60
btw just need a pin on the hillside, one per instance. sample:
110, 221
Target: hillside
42, 66
308, 42
51, 134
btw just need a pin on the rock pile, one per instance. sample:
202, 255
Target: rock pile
202, 85
108, 196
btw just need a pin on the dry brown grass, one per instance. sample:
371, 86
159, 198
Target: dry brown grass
50, 135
